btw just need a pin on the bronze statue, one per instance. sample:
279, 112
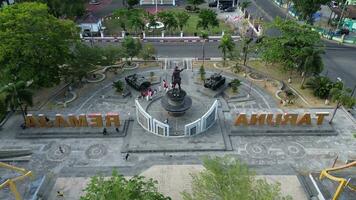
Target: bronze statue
176, 79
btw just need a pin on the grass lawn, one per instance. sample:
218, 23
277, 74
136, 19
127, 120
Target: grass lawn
276, 71
113, 28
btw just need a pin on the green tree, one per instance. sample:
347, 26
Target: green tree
313, 63
131, 47
204, 35
135, 20
119, 86
3, 107
227, 178
148, 52
227, 46
321, 86
306, 8
109, 55
289, 47
207, 18
34, 43
63, 8
342, 97
195, 3
123, 15
152, 21
168, 19
130, 19
244, 5
235, 84
182, 19
245, 48
83, 60
17, 95
202, 73
118, 187
132, 3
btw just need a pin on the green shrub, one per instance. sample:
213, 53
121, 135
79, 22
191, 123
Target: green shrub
119, 85
202, 72
320, 85
234, 84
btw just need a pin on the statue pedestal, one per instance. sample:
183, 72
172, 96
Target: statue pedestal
176, 102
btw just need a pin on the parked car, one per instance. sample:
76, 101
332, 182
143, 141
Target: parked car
342, 31
213, 4
230, 9
224, 6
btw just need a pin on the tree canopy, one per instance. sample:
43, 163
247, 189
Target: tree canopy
131, 47
33, 43
63, 8
226, 45
130, 19
195, 3
117, 187
292, 45
229, 179
207, 18
306, 8
132, 3
182, 19
169, 20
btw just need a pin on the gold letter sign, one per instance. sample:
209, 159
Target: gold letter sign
92, 120
279, 119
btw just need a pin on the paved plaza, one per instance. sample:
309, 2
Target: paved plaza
85, 156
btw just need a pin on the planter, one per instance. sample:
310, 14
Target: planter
287, 97
160, 25
96, 77
131, 66
255, 76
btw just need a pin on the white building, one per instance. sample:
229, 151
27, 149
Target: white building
90, 24
159, 2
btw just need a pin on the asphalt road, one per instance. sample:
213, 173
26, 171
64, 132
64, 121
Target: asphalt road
339, 60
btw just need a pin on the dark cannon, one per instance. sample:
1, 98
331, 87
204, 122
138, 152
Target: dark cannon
140, 83
214, 81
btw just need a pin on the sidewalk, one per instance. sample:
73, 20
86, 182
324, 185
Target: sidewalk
174, 179
325, 33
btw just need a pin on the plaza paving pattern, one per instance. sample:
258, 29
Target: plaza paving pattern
84, 157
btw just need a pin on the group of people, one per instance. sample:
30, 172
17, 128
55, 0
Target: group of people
148, 93
176, 80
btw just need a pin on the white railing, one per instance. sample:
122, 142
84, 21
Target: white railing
159, 128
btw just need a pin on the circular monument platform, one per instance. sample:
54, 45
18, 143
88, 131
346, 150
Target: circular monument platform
176, 102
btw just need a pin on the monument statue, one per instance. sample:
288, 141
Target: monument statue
176, 79
176, 101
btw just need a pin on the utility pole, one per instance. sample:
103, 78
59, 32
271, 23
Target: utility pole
342, 14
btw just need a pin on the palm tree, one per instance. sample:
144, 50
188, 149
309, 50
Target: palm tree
227, 45
313, 63
343, 98
207, 18
17, 95
168, 19
182, 19
204, 35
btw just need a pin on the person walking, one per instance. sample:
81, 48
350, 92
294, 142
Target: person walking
105, 132
127, 156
